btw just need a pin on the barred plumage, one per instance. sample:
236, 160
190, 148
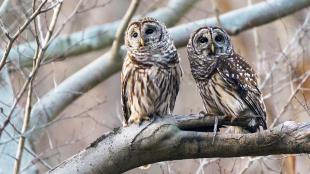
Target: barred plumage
227, 83
151, 71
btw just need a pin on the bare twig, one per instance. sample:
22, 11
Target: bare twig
15, 36
275, 121
216, 11
41, 52
120, 31
290, 46
30, 151
21, 141
36, 64
256, 40
27, 111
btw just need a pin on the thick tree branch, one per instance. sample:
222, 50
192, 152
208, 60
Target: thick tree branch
172, 138
102, 68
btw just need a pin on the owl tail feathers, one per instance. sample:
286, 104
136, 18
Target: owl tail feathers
145, 167
237, 130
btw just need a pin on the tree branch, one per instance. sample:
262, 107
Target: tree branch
8, 149
173, 138
16, 35
36, 64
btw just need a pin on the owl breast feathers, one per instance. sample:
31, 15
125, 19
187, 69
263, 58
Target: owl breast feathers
151, 72
227, 83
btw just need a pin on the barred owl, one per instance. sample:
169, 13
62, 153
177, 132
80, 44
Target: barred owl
226, 82
150, 78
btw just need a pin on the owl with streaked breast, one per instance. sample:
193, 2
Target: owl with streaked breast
150, 78
227, 83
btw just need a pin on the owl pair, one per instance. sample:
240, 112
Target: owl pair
151, 75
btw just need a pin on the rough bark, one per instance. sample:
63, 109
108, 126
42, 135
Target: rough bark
174, 138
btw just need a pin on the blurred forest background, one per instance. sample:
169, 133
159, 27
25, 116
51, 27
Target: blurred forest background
279, 51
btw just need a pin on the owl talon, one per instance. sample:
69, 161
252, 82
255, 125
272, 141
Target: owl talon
138, 119
125, 124
146, 118
202, 113
134, 119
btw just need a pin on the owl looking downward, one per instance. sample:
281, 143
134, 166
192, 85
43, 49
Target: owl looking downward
150, 77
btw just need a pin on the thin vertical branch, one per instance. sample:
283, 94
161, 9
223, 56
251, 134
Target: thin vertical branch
120, 31
36, 64
216, 12
21, 141
256, 39
44, 46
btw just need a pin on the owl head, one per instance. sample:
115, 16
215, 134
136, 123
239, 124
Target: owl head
210, 42
148, 42
145, 33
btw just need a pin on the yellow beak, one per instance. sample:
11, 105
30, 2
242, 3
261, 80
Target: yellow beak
212, 48
141, 42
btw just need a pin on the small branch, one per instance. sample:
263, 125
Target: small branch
120, 31
275, 121
36, 64
256, 39
173, 138
21, 141
9, 147
15, 36
291, 47
216, 12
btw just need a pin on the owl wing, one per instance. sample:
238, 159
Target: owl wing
241, 77
125, 75
176, 74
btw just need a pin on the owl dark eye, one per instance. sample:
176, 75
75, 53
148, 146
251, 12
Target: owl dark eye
134, 34
149, 31
219, 38
202, 39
